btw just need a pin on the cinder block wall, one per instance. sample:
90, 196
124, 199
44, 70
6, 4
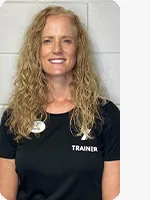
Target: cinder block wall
102, 20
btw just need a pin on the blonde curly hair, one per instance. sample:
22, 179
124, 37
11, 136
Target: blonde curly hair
30, 95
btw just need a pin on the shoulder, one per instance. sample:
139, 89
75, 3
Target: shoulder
7, 144
6, 115
109, 111
109, 120
4, 127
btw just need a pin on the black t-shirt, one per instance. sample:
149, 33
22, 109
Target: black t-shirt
58, 165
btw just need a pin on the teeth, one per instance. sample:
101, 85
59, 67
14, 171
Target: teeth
57, 61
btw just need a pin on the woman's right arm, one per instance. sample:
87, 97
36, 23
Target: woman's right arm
8, 179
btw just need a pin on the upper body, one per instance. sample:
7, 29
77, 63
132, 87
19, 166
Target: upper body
72, 151
58, 165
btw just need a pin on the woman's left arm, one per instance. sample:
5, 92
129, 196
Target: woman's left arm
111, 180
111, 141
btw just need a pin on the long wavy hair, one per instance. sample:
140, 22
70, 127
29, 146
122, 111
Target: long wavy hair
30, 95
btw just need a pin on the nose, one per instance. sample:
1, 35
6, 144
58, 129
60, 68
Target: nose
57, 48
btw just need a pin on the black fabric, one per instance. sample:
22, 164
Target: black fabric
7, 145
60, 166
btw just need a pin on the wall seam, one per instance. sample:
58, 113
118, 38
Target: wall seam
43, 2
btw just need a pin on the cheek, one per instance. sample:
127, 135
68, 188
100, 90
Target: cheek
73, 54
44, 52
73, 59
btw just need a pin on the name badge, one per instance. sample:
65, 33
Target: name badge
38, 127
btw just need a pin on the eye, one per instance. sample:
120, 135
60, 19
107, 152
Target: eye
47, 41
68, 41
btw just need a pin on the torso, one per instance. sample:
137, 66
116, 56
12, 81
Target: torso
58, 165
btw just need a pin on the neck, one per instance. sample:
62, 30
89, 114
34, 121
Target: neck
60, 89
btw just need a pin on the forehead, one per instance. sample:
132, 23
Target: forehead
60, 25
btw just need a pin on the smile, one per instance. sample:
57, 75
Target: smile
57, 60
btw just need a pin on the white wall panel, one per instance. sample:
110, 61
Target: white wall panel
108, 68
118, 106
7, 68
79, 8
72, 1
2, 109
21, 1
103, 26
14, 18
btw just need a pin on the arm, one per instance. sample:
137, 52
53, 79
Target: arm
111, 180
8, 179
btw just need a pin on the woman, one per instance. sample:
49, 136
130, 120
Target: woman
59, 139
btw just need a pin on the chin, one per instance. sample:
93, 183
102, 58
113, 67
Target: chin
58, 73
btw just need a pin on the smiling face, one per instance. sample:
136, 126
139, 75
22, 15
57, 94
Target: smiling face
58, 49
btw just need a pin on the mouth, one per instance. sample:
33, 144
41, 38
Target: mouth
57, 60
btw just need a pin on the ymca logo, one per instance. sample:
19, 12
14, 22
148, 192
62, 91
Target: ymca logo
85, 137
1, 197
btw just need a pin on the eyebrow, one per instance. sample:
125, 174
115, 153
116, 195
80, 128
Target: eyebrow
65, 36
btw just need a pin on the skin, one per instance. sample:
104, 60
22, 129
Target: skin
58, 41
8, 179
111, 180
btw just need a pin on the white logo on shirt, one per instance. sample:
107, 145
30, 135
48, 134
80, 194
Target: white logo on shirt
84, 148
85, 137
1, 197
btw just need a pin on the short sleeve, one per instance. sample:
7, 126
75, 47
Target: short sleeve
7, 144
111, 133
